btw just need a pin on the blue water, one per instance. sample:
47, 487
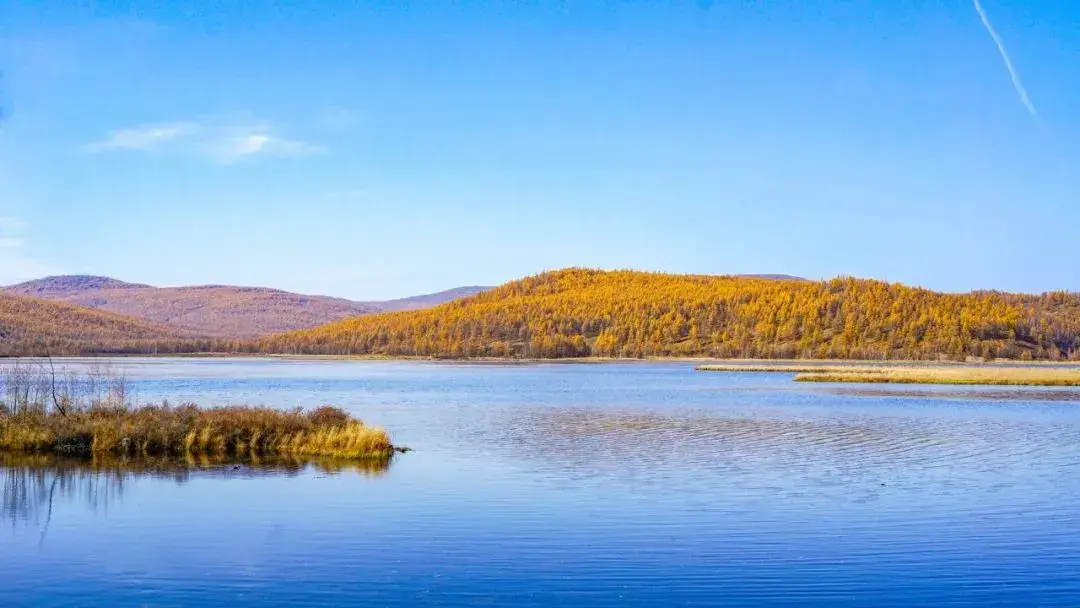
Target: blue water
575, 485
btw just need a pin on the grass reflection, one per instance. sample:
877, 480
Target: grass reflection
32, 484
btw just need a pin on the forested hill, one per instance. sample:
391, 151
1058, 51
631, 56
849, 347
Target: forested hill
577, 313
212, 310
222, 311
30, 326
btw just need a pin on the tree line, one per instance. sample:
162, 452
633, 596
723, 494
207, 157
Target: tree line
579, 313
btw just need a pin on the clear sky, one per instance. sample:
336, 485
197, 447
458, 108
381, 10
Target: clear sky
380, 149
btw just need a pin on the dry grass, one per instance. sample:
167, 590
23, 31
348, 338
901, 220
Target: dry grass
188, 429
884, 373
767, 368
995, 376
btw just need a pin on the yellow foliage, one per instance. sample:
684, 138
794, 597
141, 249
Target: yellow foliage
192, 430
580, 312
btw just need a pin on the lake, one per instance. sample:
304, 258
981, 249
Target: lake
638, 484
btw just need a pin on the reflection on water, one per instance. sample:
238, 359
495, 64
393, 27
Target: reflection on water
853, 454
598, 486
33, 484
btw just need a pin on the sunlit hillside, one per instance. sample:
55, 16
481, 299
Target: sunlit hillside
30, 326
578, 313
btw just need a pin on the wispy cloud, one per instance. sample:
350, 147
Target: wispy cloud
11, 224
217, 141
145, 138
1017, 84
258, 143
15, 264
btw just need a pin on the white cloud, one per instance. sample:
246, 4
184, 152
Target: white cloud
145, 138
15, 264
216, 141
16, 267
259, 143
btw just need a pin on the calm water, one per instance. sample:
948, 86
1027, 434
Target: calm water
574, 485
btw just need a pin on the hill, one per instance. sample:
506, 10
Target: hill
428, 300
60, 287
577, 313
30, 326
214, 310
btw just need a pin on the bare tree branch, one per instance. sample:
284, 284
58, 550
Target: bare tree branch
52, 377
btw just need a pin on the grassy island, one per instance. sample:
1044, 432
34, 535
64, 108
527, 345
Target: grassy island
48, 410
188, 429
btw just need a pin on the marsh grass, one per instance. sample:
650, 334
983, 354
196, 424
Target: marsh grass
55, 410
767, 368
990, 376
880, 373
190, 430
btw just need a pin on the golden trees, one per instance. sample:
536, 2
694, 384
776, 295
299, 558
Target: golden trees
579, 312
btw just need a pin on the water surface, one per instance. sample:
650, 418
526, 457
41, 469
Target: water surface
582, 485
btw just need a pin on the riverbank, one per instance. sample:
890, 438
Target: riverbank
188, 430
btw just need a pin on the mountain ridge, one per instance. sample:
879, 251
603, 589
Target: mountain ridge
35, 326
217, 311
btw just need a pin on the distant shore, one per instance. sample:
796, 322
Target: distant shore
702, 363
987, 374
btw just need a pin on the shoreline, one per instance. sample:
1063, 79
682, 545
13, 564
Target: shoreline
757, 365
966, 374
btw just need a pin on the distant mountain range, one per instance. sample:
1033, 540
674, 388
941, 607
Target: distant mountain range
575, 312
216, 311
427, 300
568, 313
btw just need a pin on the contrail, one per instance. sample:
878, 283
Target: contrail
1019, 86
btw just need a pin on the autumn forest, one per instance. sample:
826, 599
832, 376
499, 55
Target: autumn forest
581, 313
592, 313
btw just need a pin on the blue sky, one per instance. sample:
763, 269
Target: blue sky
372, 150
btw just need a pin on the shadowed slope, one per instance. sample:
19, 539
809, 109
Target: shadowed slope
220, 311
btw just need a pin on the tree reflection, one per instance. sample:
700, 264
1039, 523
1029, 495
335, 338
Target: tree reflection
31, 485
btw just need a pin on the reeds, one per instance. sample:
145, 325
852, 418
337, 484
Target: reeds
991, 376
765, 368
45, 409
188, 429
881, 373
